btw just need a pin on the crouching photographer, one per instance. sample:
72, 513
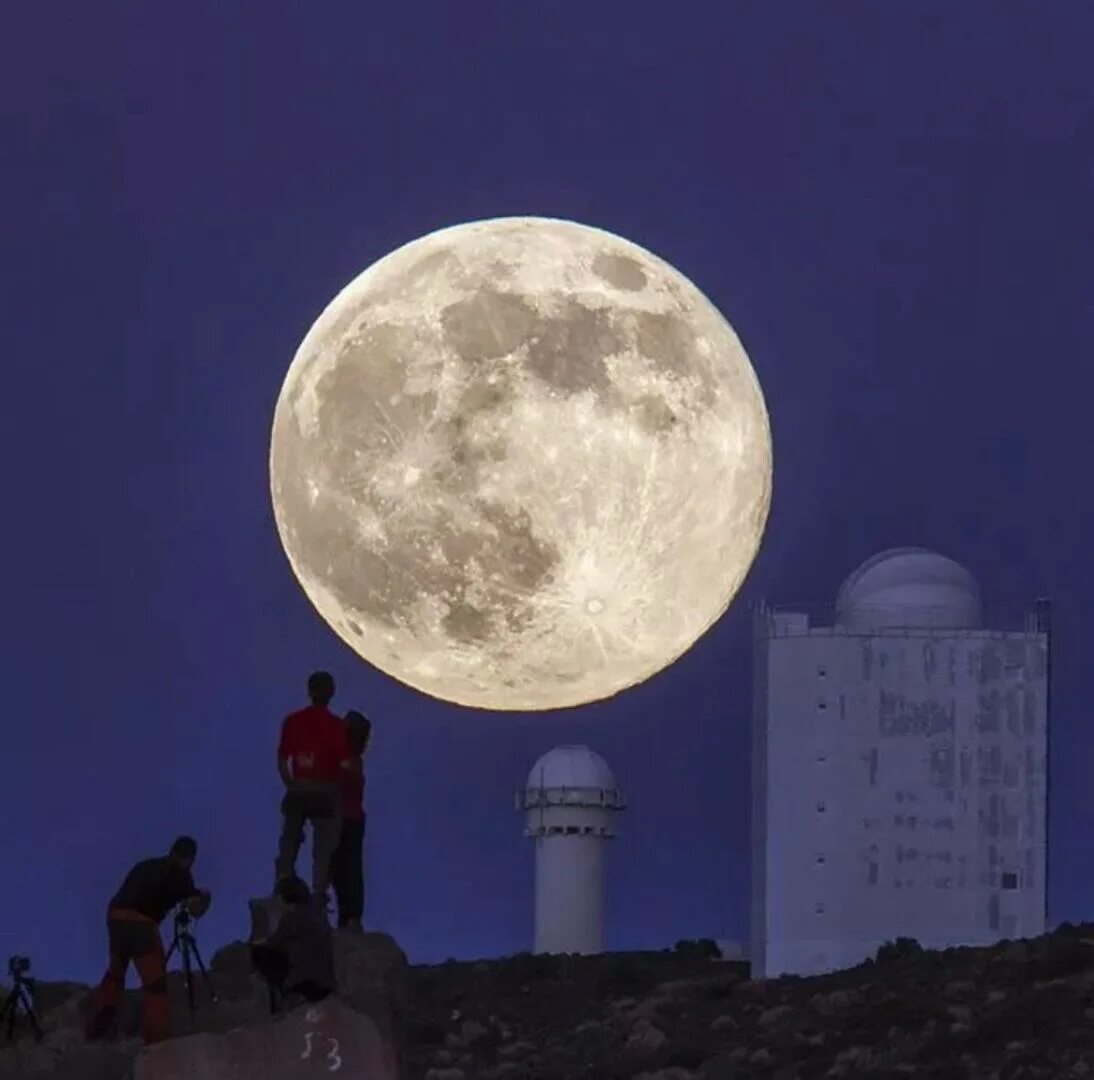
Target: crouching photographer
150, 890
297, 959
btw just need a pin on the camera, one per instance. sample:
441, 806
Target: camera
18, 966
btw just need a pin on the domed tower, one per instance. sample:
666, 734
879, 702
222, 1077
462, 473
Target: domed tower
569, 802
909, 587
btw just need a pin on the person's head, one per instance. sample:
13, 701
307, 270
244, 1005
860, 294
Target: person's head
184, 851
293, 891
359, 731
320, 687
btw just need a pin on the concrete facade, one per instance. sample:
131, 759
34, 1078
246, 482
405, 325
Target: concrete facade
899, 774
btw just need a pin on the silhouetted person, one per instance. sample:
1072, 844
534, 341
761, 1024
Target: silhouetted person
150, 890
310, 758
348, 867
298, 957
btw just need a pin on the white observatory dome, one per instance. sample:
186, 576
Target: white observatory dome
569, 802
571, 767
909, 587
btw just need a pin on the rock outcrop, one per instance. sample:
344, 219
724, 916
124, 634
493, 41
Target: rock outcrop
328, 1037
1020, 1010
372, 972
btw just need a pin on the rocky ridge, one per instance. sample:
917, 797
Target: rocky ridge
1020, 1009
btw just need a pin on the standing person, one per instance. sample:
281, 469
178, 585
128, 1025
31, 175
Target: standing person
150, 890
312, 754
348, 868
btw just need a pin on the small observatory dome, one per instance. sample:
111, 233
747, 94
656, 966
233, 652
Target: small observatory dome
909, 587
569, 802
571, 767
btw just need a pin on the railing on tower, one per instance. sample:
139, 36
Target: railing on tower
532, 798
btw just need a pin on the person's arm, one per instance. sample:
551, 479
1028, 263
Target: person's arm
195, 900
198, 902
284, 755
343, 752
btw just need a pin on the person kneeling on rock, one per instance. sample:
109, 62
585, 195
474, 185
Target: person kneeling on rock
298, 957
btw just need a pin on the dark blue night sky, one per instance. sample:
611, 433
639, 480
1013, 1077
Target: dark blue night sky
891, 202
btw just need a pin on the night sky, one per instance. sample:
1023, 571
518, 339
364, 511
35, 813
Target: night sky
892, 204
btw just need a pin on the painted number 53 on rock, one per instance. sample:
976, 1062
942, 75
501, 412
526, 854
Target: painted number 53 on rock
333, 1058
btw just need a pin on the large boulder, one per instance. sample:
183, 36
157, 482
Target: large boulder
308, 1041
373, 978
371, 970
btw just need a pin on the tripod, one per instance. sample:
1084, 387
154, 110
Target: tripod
188, 950
22, 994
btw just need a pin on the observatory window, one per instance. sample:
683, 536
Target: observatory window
821, 807
1010, 880
822, 704
822, 672
571, 830
821, 860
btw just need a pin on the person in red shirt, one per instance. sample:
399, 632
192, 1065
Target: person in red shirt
347, 871
312, 756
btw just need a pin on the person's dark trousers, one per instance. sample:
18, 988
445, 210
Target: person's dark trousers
348, 871
318, 803
310, 991
134, 938
273, 965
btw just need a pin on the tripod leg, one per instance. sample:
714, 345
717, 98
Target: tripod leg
188, 976
8, 1012
204, 974
32, 1015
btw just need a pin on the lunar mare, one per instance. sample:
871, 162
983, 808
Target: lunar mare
520, 464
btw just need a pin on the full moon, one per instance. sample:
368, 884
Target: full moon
521, 464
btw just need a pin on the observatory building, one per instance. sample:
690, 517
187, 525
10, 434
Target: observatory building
569, 801
899, 769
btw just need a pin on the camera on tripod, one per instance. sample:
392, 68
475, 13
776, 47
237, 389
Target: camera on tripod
18, 966
187, 949
20, 997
